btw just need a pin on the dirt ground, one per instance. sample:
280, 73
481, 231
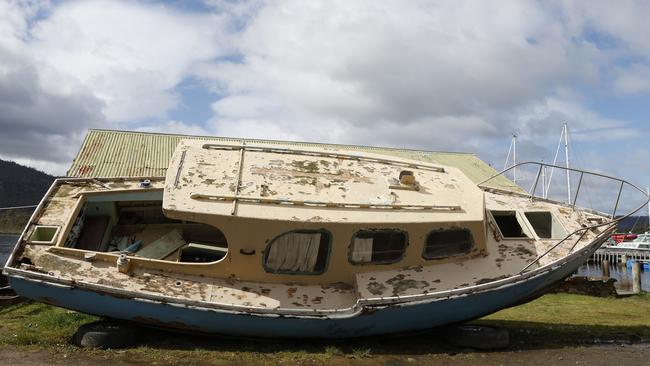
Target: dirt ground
606, 355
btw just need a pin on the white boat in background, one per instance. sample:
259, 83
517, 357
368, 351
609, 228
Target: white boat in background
642, 242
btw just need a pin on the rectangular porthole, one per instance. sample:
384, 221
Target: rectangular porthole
545, 224
377, 246
510, 224
447, 243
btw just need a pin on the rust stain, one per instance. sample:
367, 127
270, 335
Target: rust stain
84, 170
91, 149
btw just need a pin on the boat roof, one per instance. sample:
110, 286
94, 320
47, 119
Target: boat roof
112, 153
314, 184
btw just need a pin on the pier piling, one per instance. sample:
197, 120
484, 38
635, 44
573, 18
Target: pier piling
620, 256
605, 265
636, 277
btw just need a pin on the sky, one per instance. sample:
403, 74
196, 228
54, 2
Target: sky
432, 75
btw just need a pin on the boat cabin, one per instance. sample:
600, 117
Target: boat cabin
274, 215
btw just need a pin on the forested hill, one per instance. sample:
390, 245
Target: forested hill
20, 185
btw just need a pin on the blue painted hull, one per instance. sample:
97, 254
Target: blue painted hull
369, 321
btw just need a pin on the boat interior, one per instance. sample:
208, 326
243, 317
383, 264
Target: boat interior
139, 227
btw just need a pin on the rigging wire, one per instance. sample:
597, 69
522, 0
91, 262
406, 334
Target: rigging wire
17, 207
557, 153
576, 154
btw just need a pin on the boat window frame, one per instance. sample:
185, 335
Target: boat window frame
521, 220
299, 231
460, 254
554, 220
397, 260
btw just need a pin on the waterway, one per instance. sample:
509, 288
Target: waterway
620, 272
7, 243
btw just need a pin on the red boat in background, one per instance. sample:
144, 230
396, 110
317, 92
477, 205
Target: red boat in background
618, 238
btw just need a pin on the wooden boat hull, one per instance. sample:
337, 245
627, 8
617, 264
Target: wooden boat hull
370, 320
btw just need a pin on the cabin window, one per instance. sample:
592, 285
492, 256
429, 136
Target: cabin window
447, 243
300, 252
510, 224
377, 246
546, 226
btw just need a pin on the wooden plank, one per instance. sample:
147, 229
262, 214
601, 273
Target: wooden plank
164, 246
92, 233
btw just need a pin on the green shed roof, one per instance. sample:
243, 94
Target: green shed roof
111, 153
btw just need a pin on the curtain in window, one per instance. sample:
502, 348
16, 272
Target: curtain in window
294, 252
362, 250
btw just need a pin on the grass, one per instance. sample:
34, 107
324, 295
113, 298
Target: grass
555, 320
559, 319
38, 324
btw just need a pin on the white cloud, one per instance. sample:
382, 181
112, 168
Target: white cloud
175, 127
37, 124
131, 56
634, 79
435, 75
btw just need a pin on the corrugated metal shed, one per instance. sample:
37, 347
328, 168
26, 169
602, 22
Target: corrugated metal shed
110, 153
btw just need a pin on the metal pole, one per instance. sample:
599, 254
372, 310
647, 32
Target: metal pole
534, 188
544, 194
514, 157
575, 199
566, 154
557, 153
618, 199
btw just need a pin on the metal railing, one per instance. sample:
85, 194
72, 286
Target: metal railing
327, 154
582, 231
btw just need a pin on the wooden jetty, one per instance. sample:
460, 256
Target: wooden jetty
620, 255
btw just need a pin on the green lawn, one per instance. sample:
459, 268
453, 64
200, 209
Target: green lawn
555, 320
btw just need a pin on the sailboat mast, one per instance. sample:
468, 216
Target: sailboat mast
566, 154
648, 211
544, 193
514, 158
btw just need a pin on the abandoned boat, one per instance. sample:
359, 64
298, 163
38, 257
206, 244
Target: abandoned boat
257, 240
